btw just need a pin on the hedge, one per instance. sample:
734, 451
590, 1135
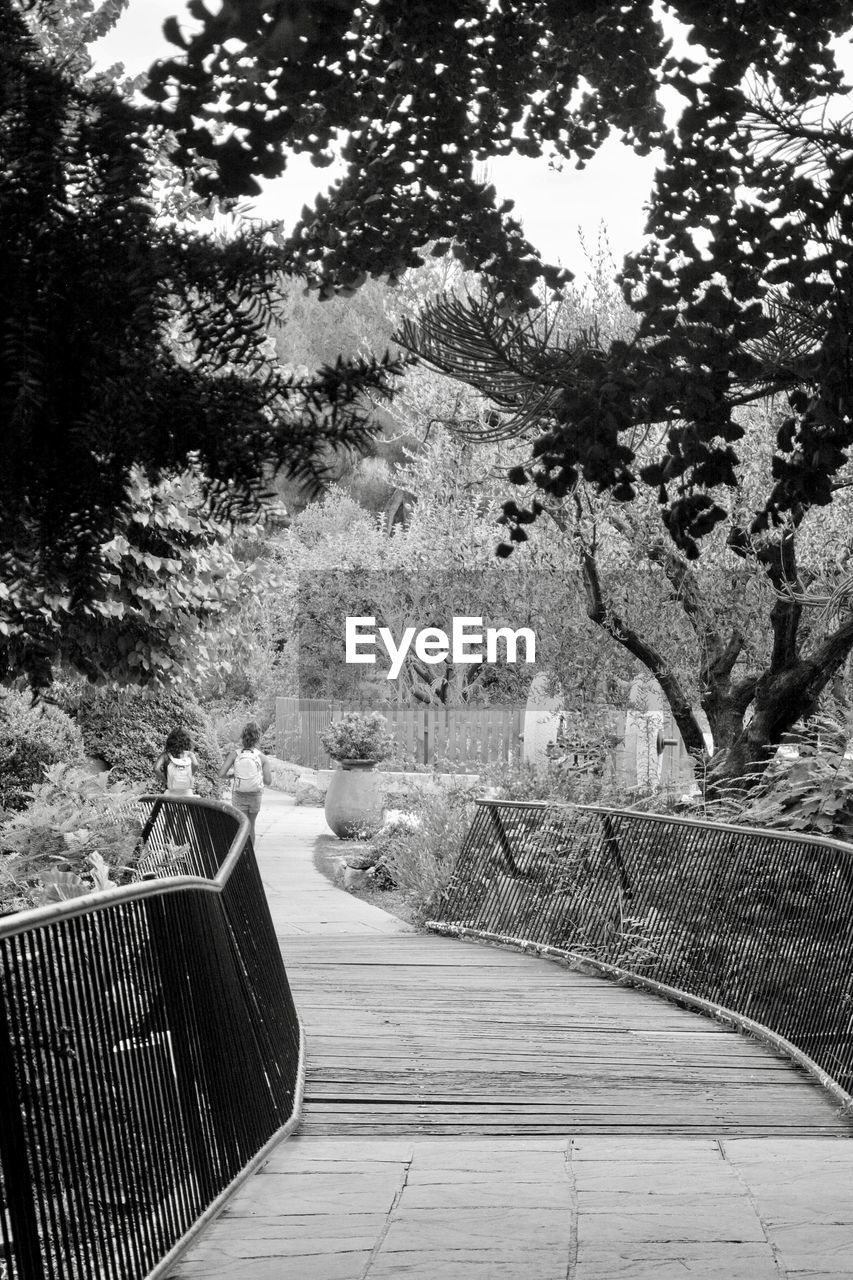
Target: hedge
31, 738
127, 728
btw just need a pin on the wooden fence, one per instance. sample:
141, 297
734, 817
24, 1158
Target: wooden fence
454, 739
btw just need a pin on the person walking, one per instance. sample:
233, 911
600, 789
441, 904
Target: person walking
251, 771
177, 765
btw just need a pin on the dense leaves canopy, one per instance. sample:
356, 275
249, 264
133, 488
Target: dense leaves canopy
125, 341
414, 94
749, 236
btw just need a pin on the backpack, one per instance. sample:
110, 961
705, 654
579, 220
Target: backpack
179, 774
248, 772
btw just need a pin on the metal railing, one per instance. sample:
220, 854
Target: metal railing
755, 922
150, 1051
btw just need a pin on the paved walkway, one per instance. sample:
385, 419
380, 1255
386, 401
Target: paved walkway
445, 1140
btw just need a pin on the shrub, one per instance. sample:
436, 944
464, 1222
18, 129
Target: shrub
227, 721
553, 781
811, 793
358, 737
807, 787
77, 834
32, 738
127, 728
419, 854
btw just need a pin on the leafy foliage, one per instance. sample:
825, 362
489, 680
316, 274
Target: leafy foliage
742, 290
418, 853
339, 560
77, 834
413, 97
127, 729
32, 738
358, 737
365, 78
727, 631
742, 286
808, 787
166, 578
65, 28
555, 781
126, 341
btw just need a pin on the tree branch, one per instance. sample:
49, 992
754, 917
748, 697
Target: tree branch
743, 692
780, 560
717, 658
720, 667
834, 649
610, 622
677, 573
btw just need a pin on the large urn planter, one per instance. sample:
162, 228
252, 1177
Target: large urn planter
353, 800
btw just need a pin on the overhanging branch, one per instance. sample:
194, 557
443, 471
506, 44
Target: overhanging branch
653, 661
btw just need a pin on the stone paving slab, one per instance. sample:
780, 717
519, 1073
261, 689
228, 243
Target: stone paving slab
387, 1209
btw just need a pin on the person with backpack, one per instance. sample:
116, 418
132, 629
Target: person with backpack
178, 764
251, 772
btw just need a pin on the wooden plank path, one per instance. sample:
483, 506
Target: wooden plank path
476, 1113
422, 1034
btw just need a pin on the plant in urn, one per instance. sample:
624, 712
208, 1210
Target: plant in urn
357, 742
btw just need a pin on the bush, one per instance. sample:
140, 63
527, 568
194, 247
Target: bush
227, 721
32, 738
127, 729
419, 851
554, 781
76, 835
358, 737
807, 787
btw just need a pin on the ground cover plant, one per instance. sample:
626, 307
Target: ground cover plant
419, 844
807, 787
32, 737
415, 850
78, 833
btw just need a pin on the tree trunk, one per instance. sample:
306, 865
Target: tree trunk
781, 699
638, 646
787, 691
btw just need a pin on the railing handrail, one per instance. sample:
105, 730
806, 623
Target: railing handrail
150, 1052
750, 920
100, 899
706, 824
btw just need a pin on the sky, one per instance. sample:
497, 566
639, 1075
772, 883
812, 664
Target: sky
553, 207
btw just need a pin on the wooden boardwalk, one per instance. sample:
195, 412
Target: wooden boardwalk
478, 1114
426, 1035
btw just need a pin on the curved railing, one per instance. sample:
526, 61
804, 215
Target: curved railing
150, 1052
751, 923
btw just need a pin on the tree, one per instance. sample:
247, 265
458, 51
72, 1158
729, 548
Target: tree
728, 631
414, 96
742, 290
316, 74
438, 564
314, 331
172, 592
748, 227
127, 342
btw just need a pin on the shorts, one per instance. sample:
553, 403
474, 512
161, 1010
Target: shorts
248, 802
